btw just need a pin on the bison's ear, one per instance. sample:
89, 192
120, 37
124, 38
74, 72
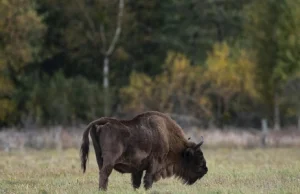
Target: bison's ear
200, 143
188, 154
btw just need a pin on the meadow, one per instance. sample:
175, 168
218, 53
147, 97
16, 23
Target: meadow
271, 170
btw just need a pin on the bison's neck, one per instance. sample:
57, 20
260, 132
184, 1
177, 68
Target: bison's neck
171, 167
175, 166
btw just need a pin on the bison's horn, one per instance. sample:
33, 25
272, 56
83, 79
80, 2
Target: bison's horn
200, 143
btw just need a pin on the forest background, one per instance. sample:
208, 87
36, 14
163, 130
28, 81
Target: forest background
208, 63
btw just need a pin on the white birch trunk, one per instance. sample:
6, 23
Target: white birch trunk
276, 113
298, 121
106, 86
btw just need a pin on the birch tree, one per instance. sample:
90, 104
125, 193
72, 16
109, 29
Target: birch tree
97, 30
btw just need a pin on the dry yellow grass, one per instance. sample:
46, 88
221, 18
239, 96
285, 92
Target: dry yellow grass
230, 171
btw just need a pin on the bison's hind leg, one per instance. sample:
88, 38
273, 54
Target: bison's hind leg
136, 179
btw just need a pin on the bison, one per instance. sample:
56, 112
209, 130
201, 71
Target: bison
150, 142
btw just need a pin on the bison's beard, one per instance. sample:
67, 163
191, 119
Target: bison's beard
189, 181
186, 180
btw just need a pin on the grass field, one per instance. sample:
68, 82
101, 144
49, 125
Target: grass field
230, 171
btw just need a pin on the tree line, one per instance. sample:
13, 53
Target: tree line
215, 62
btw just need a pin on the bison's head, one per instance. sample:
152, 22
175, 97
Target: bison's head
194, 163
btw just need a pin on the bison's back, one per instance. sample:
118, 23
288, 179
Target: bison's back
160, 132
165, 125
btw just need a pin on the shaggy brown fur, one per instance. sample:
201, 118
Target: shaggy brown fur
150, 142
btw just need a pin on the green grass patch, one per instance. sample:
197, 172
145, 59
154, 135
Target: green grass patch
230, 171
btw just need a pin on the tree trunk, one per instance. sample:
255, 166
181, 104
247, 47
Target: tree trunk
107, 52
219, 32
299, 120
264, 127
276, 113
219, 113
106, 101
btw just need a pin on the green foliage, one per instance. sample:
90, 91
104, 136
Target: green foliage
274, 33
143, 35
292, 96
212, 60
288, 37
21, 35
273, 28
200, 24
63, 100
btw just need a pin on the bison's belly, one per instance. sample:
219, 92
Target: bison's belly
129, 166
124, 168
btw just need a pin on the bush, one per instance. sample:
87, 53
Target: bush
61, 100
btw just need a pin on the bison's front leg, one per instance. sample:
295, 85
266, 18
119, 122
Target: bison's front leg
148, 181
136, 179
149, 176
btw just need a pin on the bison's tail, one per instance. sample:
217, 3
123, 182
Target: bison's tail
84, 150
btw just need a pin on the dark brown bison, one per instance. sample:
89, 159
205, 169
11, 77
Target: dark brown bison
150, 142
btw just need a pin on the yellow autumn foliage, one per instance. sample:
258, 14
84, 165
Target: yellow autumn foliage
186, 88
176, 86
139, 89
230, 73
